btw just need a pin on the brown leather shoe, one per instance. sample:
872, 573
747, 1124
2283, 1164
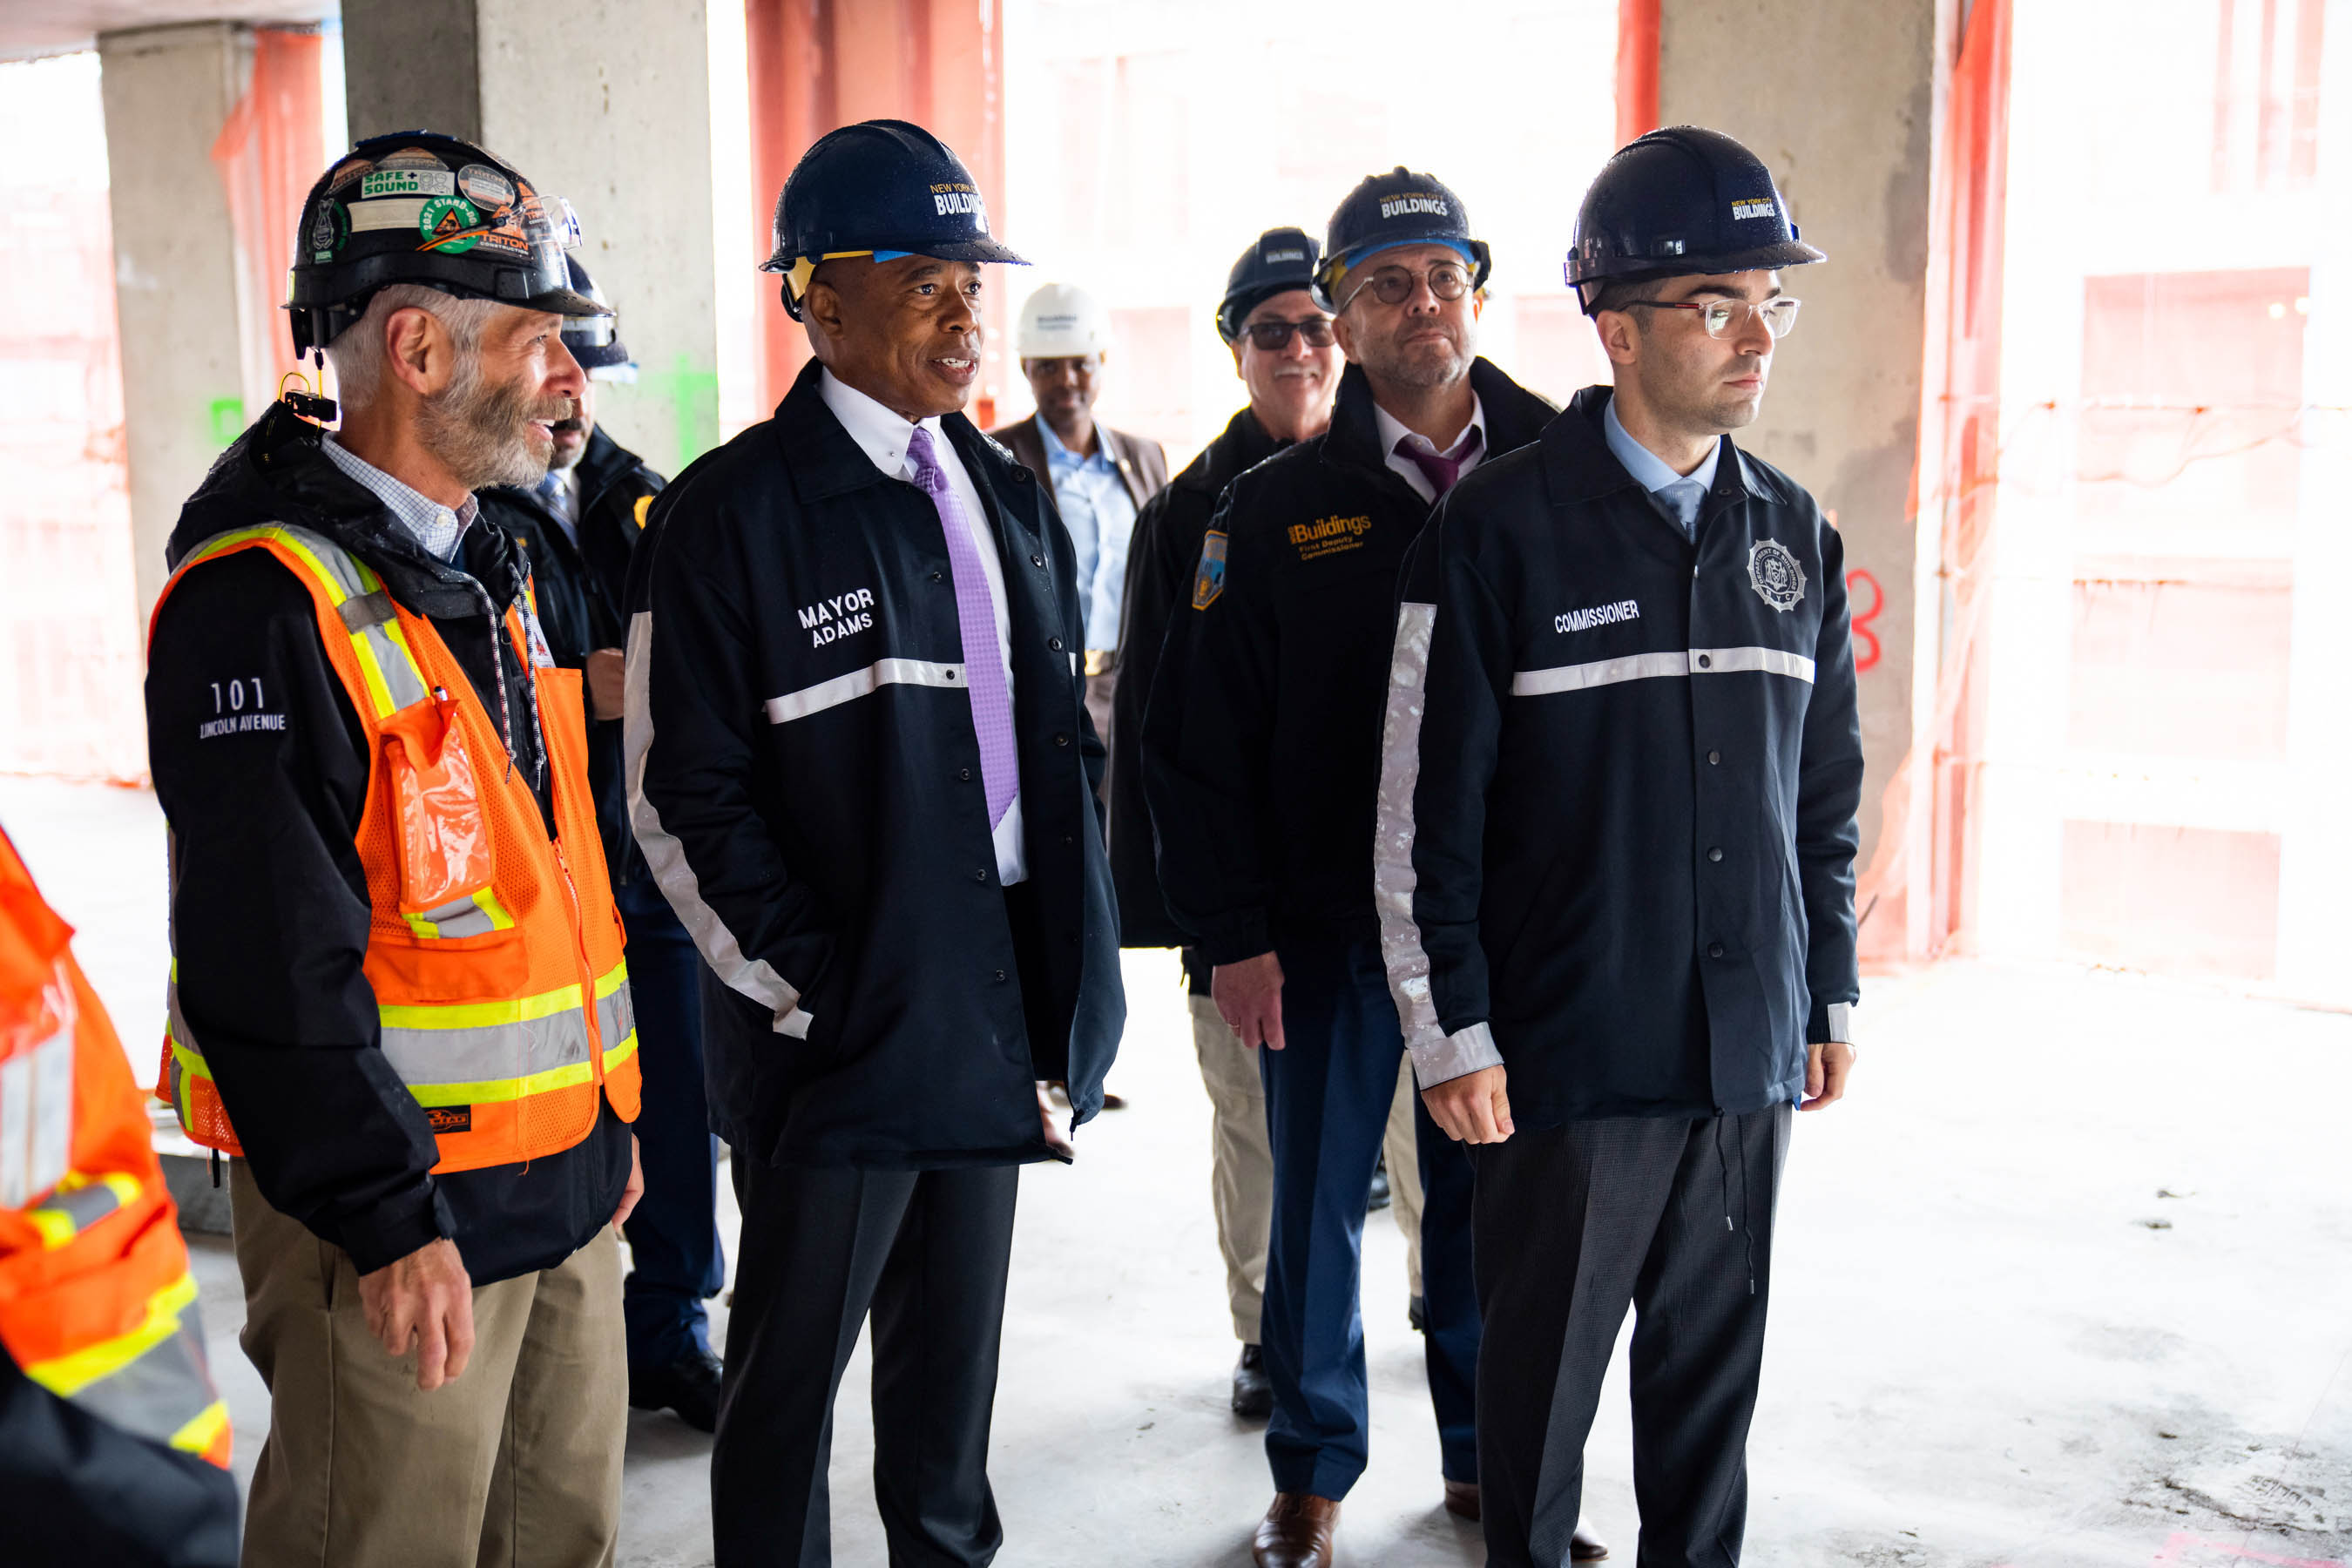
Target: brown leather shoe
1297, 1532
1462, 1500
1586, 1548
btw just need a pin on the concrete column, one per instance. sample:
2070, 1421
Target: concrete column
608, 107
1839, 97
166, 92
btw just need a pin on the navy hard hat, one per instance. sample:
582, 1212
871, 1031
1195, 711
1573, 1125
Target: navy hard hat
595, 341
1281, 259
1679, 201
883, 188
415, 206
1399, 207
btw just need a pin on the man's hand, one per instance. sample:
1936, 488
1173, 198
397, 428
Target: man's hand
1827, 1066
1047, 1112
423, 1299
1472, 1109
1248, 995
602, 673
637, 1188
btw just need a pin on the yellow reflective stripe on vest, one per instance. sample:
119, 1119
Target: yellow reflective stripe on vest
79, 1202
387, 666
478, 1052
476, 914
152, 1381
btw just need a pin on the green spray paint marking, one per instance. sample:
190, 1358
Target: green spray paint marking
693, 398
227, 417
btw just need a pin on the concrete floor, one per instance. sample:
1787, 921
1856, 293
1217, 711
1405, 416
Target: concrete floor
2067, 1281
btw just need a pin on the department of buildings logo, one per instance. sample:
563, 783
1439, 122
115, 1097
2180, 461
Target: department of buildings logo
1773, 572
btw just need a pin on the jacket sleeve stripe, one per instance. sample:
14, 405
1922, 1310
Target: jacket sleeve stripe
859, 683
1437, 1055
1651, 666
753, 977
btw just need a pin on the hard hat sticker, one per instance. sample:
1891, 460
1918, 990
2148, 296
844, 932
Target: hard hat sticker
410, 158
392, 212
328, 229
407, 182
1408, 202
480, 182
347, 171
443, 222
1743, 210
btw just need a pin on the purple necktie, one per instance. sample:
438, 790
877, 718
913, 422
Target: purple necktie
1441, 471
983, 660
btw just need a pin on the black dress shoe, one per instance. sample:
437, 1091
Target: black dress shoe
688, 1386
1378, 1197
1416, 1313
1252, 1391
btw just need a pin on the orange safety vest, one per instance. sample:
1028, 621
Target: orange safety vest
97, 1304
494, 951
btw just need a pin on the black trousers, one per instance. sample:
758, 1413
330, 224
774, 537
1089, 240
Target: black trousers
926, 1252
1573, 1224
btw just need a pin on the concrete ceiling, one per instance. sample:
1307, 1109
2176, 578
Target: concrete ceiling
29, 28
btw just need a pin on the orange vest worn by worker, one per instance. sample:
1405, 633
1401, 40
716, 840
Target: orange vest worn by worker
96, 1302
494, 951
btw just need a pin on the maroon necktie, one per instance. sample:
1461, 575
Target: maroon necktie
1441, 471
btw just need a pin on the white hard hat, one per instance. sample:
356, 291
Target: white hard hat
1061, 320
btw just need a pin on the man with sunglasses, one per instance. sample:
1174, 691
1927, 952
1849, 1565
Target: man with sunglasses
1261, 759
1616, 858
1285, 354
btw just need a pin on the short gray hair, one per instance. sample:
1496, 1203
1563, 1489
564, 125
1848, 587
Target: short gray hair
358, 354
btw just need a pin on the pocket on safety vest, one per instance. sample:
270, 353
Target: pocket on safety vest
446, 860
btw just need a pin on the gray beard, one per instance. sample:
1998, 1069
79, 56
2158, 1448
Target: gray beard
477, 429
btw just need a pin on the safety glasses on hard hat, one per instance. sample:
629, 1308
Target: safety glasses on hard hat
1723, 318
1448, 280
1270, 337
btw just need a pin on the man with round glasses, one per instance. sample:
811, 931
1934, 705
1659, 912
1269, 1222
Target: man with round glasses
1616, 858
1261, 759
1285, 354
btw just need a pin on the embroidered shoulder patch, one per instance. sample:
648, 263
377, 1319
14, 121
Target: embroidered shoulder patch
1773, 572
1210, 580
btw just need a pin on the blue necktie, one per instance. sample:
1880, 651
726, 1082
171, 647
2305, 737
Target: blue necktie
1683, 498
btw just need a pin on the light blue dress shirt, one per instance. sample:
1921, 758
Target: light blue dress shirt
1680, 494
436, 529
1091, 495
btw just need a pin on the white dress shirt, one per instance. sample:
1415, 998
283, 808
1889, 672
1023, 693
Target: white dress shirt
1392, 430
883, 436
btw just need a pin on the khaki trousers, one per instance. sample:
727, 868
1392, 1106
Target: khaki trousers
1403, 1153
515, 1465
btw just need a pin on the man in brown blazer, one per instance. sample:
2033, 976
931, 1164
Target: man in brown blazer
1099, 477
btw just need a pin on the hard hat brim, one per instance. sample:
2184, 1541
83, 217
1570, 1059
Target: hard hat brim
1762, 258
972, 250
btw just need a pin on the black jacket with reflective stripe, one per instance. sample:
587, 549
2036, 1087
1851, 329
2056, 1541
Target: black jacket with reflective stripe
580, 588
805, 783
1617, 830
1262, 738
1160, 560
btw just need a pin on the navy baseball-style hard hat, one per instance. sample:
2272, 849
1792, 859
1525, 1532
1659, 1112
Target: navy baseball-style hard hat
883, 188
1399, 207
595, 341
1679, 201
418, 207
1281, 259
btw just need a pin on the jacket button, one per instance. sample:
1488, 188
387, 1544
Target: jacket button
1036, 561
937, 576
1715, 949
1061, 740
1715, 854
964, 774
1068, 839
1054, 643
981, 875
1705, 662
1000, 977
1714, 759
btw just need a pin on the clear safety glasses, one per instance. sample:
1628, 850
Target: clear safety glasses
1723, 318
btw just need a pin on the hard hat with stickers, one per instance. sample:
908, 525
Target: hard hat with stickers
414, 206
883, 188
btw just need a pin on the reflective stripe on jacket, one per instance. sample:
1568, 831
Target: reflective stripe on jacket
97, 1305
494, 951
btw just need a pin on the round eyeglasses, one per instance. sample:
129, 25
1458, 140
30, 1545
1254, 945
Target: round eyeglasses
1270, 337
1448, 280
1721, 317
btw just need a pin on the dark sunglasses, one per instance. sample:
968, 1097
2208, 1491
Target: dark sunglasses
1269, 336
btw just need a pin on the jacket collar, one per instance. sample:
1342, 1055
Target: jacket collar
276, 472
1514, 416
824, 460
1242, 446
605, 464
1579, 466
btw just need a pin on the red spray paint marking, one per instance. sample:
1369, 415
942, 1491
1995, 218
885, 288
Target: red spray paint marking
1865, 657
2176, 1545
